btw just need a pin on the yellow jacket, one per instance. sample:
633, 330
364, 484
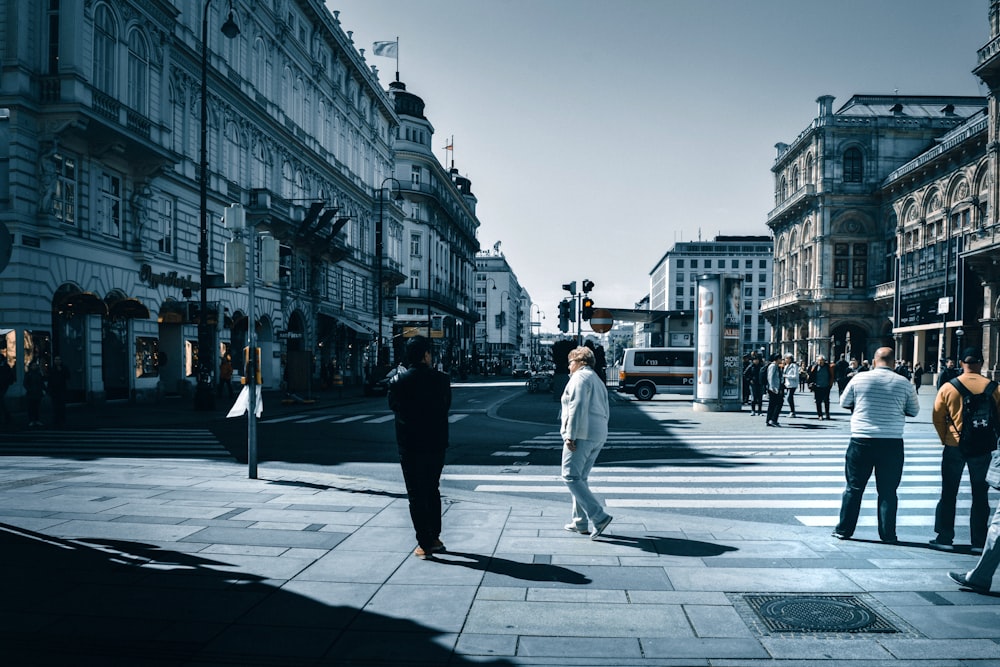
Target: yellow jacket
947, 414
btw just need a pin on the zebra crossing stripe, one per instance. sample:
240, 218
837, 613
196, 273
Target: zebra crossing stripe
354, 418
382, 419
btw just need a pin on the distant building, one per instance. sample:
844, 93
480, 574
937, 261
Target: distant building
673, 281
500, 300
438, 238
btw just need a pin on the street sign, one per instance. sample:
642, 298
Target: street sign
944, 305
601, 321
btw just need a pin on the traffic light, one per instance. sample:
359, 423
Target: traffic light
564, 316
570, 287
587, 286
586, 307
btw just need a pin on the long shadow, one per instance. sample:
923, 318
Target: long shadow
670, 546
512, 569
327, 487
116, 602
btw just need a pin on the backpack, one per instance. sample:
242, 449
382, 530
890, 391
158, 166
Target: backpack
980, 426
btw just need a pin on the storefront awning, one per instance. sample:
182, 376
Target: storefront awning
172, 312
356, 326
82, 303
124, 309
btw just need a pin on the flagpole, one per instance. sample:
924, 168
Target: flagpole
397, 58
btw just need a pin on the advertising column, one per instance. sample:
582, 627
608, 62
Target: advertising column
718, 362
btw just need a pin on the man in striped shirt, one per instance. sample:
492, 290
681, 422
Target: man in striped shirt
880, 401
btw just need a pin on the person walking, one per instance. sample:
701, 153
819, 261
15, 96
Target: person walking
420, 398
775, 390
7, 377
821, 376
790, 374
841, 369
752, 376
918, 376
584, 429
879, 401
226, 375
980, 577
58, 385
34, 389
960, 450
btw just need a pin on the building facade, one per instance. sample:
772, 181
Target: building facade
439, 239
836, 246
673, 281
500, 299
115, 113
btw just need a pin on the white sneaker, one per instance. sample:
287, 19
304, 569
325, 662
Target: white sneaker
573, 528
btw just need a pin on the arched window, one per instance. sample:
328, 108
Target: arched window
287, 181
810, 168
853, 166
261, 70
783, 190
795, 178
260, 160
105, 47
138, 72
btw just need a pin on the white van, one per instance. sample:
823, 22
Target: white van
644, 371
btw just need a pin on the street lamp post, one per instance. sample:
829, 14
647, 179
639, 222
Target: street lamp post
503, 323
486, 325
204, 398
380, 361
531, 332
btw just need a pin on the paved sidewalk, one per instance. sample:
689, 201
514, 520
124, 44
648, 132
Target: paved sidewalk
184, 562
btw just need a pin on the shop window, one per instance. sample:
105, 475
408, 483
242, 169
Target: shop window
147, 357
37, 347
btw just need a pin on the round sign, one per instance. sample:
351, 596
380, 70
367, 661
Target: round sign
601, 321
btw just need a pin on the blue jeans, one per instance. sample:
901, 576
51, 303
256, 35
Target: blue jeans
575, 471
885, 457
952, 466
982, 573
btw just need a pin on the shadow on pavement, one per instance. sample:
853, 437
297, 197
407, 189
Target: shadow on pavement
670, 546
512, 569
126, 603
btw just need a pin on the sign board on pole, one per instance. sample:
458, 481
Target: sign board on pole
601, 321
944, 305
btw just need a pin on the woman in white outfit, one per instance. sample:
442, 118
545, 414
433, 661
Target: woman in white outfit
791, 374
584, 428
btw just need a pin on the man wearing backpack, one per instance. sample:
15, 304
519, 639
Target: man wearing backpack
965, 416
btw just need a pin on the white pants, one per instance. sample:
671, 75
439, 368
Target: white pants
575, 471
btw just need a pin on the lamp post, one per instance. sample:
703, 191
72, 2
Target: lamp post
503, 323
380, 362
486, 325
537, 323
958, 345
204, 398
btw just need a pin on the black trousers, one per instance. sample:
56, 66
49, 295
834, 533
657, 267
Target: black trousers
884, 456
422, 476
774, 402
822, 395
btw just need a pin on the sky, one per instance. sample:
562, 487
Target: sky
599, 133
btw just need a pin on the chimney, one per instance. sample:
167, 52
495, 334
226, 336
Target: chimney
825, 103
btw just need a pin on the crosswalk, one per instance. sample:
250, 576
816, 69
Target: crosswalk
738, 473
199, 443
340, 418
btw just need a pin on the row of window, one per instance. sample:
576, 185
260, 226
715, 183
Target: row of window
747, 277
707, 263
853, 172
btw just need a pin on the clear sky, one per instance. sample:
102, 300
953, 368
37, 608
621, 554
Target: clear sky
598, 133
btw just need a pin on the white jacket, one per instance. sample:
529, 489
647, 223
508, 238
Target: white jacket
585, 410
792, 375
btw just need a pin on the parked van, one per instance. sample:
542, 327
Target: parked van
644, 371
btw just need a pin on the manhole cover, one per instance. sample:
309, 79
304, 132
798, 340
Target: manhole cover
817, 613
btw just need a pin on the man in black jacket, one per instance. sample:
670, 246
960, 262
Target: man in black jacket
421, 397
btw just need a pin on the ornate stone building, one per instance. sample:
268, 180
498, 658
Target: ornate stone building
835, 235
103, 116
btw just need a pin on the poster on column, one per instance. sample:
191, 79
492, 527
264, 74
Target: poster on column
732, 359
706, 386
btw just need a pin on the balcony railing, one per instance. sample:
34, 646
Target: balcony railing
798, 197
788, 298
885, 290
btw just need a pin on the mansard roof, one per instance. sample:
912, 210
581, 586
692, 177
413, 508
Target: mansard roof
912, 105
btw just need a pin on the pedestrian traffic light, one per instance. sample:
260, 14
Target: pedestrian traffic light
586, 307
587, 286
570, 287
